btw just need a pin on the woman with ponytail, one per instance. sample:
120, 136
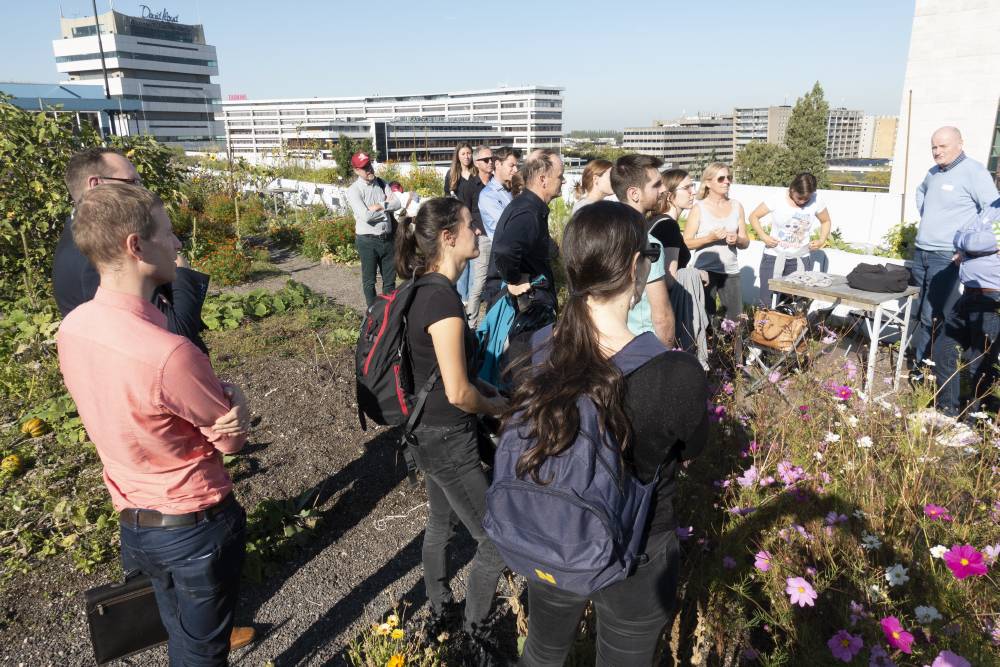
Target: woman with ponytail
606, 257
436, 247
594, 185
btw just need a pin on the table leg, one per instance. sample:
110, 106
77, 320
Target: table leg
874, 334
904, 342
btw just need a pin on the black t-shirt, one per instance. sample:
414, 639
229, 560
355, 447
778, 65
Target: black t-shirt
666, 402
432, 303
666, 230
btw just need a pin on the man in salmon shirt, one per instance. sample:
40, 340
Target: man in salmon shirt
149, 399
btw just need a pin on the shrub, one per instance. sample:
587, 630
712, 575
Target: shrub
226, 262
285, 234
219, 209
253, 216
327, 235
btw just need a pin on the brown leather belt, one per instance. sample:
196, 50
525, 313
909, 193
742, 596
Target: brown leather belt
139, 518
982, 290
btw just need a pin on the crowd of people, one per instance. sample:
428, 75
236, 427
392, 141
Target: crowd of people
651, 261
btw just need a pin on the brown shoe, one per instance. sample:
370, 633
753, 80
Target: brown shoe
240, 637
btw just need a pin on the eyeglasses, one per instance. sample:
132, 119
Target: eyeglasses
130, 181
651, 252
723, 179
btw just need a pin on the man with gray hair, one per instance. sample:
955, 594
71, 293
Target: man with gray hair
521, 251
952, 196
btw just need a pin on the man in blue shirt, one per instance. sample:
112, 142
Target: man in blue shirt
974, 323
953, 194
493, 199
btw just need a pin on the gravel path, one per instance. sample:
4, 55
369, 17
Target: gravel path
363, 560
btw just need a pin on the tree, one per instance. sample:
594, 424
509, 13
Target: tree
806, 135
759, 163
345, 148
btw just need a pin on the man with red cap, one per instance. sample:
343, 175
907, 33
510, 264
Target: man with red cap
370, 203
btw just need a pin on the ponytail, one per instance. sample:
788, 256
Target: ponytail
418, 246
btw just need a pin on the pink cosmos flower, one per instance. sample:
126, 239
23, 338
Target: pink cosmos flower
964, 561
728, 562
991, 552
897, 637
762, 560
844, 646
842, 391
789, 472
728, 388
774, 376
728, 326
800, 591
935, 512
949, 659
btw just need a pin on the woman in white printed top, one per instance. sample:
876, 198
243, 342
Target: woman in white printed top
788, 240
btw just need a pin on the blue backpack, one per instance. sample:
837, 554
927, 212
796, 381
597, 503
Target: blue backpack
584, 530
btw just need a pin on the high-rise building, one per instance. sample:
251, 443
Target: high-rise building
951, 79
163, 64
867, 137
427, 126
843, 133
878, 137
764, 124
687, 143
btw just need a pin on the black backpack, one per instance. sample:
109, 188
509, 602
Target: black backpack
382, 363
885, 278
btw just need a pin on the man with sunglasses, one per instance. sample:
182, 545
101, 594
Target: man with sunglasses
75, 279
636, 182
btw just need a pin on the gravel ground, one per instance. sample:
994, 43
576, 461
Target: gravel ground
363, 561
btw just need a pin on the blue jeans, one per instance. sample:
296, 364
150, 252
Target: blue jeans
937, 277
456, 491
463, 282
195, 573
630, 614
973, 325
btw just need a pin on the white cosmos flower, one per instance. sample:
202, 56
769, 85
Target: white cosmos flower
927, 614
831, 437
852, 420
896, 575
939, 551
928, 362
865, 442
869, 541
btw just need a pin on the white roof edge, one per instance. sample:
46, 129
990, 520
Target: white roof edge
359, 98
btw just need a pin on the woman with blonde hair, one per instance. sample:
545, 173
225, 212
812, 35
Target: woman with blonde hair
594, 185
716, 228
461, 169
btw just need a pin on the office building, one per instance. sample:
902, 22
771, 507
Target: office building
878, 137
764, 124
154, 60
427, 126
86, 104
843, 133
951, 79
687, 143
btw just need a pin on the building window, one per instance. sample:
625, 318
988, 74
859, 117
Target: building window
994, 161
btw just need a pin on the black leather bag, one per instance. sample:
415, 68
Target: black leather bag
123, 618
879, 278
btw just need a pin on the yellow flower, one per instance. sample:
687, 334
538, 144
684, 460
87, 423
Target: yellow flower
398, 634
396, 661
383, 629
393, 620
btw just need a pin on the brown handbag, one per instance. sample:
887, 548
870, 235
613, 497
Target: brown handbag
777, 330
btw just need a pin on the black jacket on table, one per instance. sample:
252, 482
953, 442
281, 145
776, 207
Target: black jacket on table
468, 194
521, 245
75, 281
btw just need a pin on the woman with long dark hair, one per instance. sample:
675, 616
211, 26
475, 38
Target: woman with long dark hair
604, 251
435, 248
461, 169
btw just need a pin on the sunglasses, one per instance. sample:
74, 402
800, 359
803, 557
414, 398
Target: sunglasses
130, 181
651, 252
723, 179
484, 159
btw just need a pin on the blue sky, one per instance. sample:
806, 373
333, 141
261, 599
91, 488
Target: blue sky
621, 63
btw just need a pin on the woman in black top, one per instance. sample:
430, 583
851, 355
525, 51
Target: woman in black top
461, 169
686, 284
438, 244
602, 251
